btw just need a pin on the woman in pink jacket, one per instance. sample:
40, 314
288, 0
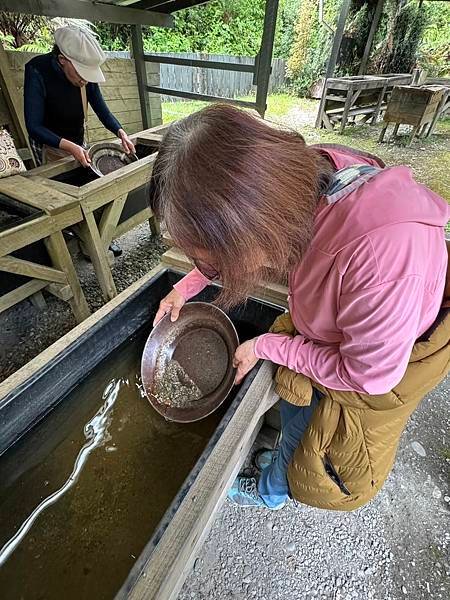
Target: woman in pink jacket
354, 239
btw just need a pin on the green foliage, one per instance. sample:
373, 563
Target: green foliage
311, 46
287, 13
398, 53
304, 30
434, 48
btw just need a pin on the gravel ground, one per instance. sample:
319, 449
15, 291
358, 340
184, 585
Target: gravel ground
26, 331
394, 548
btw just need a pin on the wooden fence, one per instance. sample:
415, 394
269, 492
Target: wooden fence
214, 82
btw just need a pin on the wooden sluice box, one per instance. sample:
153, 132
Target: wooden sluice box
101, 497
111, 205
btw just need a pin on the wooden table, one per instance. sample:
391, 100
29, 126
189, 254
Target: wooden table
364, 96
50, 212
417, 106
110, 205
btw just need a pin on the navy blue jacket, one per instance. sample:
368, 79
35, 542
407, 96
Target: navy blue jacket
53, 105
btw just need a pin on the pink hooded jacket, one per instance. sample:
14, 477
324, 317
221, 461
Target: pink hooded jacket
370, 284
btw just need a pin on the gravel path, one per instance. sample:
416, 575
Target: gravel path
394, 548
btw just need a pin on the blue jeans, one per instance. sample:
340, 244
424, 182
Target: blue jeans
273, 484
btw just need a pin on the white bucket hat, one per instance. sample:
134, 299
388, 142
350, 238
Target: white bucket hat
83, 51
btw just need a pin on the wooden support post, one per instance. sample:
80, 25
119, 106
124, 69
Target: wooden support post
264, 58
377, 110
137, 49
347, 105
38, 301
331, 65
56, 246
439, 110
91, 238
413, 133
14, 103
109, 219
382, 133
87, 9
372, 31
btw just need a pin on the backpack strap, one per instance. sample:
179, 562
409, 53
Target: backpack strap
347, 180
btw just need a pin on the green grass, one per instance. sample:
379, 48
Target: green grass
278, 105
429, 158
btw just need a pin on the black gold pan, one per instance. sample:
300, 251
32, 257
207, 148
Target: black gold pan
107, 157
202, 343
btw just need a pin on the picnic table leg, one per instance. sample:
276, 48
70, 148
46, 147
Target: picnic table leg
395, 130
437, 114
347, 105
382, 133
423, 130
154, 225
413, 133
377, 110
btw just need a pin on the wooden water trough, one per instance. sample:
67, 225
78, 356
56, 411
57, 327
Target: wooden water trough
30, 398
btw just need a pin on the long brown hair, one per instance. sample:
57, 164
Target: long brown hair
246, 192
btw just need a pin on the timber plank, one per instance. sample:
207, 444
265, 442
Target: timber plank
172, 559
32, 193
12, 264
36, 229
20, 293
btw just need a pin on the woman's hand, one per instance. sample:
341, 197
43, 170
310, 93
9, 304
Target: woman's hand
171, 304
244, 359
79, 153
127, 144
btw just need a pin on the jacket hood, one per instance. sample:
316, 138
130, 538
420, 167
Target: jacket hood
392, 196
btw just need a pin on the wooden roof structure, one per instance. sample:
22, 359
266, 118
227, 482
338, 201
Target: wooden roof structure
158, 13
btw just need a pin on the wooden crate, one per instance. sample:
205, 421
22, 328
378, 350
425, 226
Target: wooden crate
415, 106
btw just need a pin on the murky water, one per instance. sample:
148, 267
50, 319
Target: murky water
82, 493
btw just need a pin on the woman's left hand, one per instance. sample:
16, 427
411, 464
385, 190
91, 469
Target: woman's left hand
244, 359
127, 144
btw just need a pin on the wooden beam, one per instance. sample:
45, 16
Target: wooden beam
57, 248
171, 560
14, 103
30, 191
85, 9
345, 7
263, 63
20, 293
12, 264
331, 65
137, 51
373, 28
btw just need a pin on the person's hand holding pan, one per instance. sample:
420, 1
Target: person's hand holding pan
171, 304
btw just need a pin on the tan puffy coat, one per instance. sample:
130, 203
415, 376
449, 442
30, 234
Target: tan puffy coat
349, 447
